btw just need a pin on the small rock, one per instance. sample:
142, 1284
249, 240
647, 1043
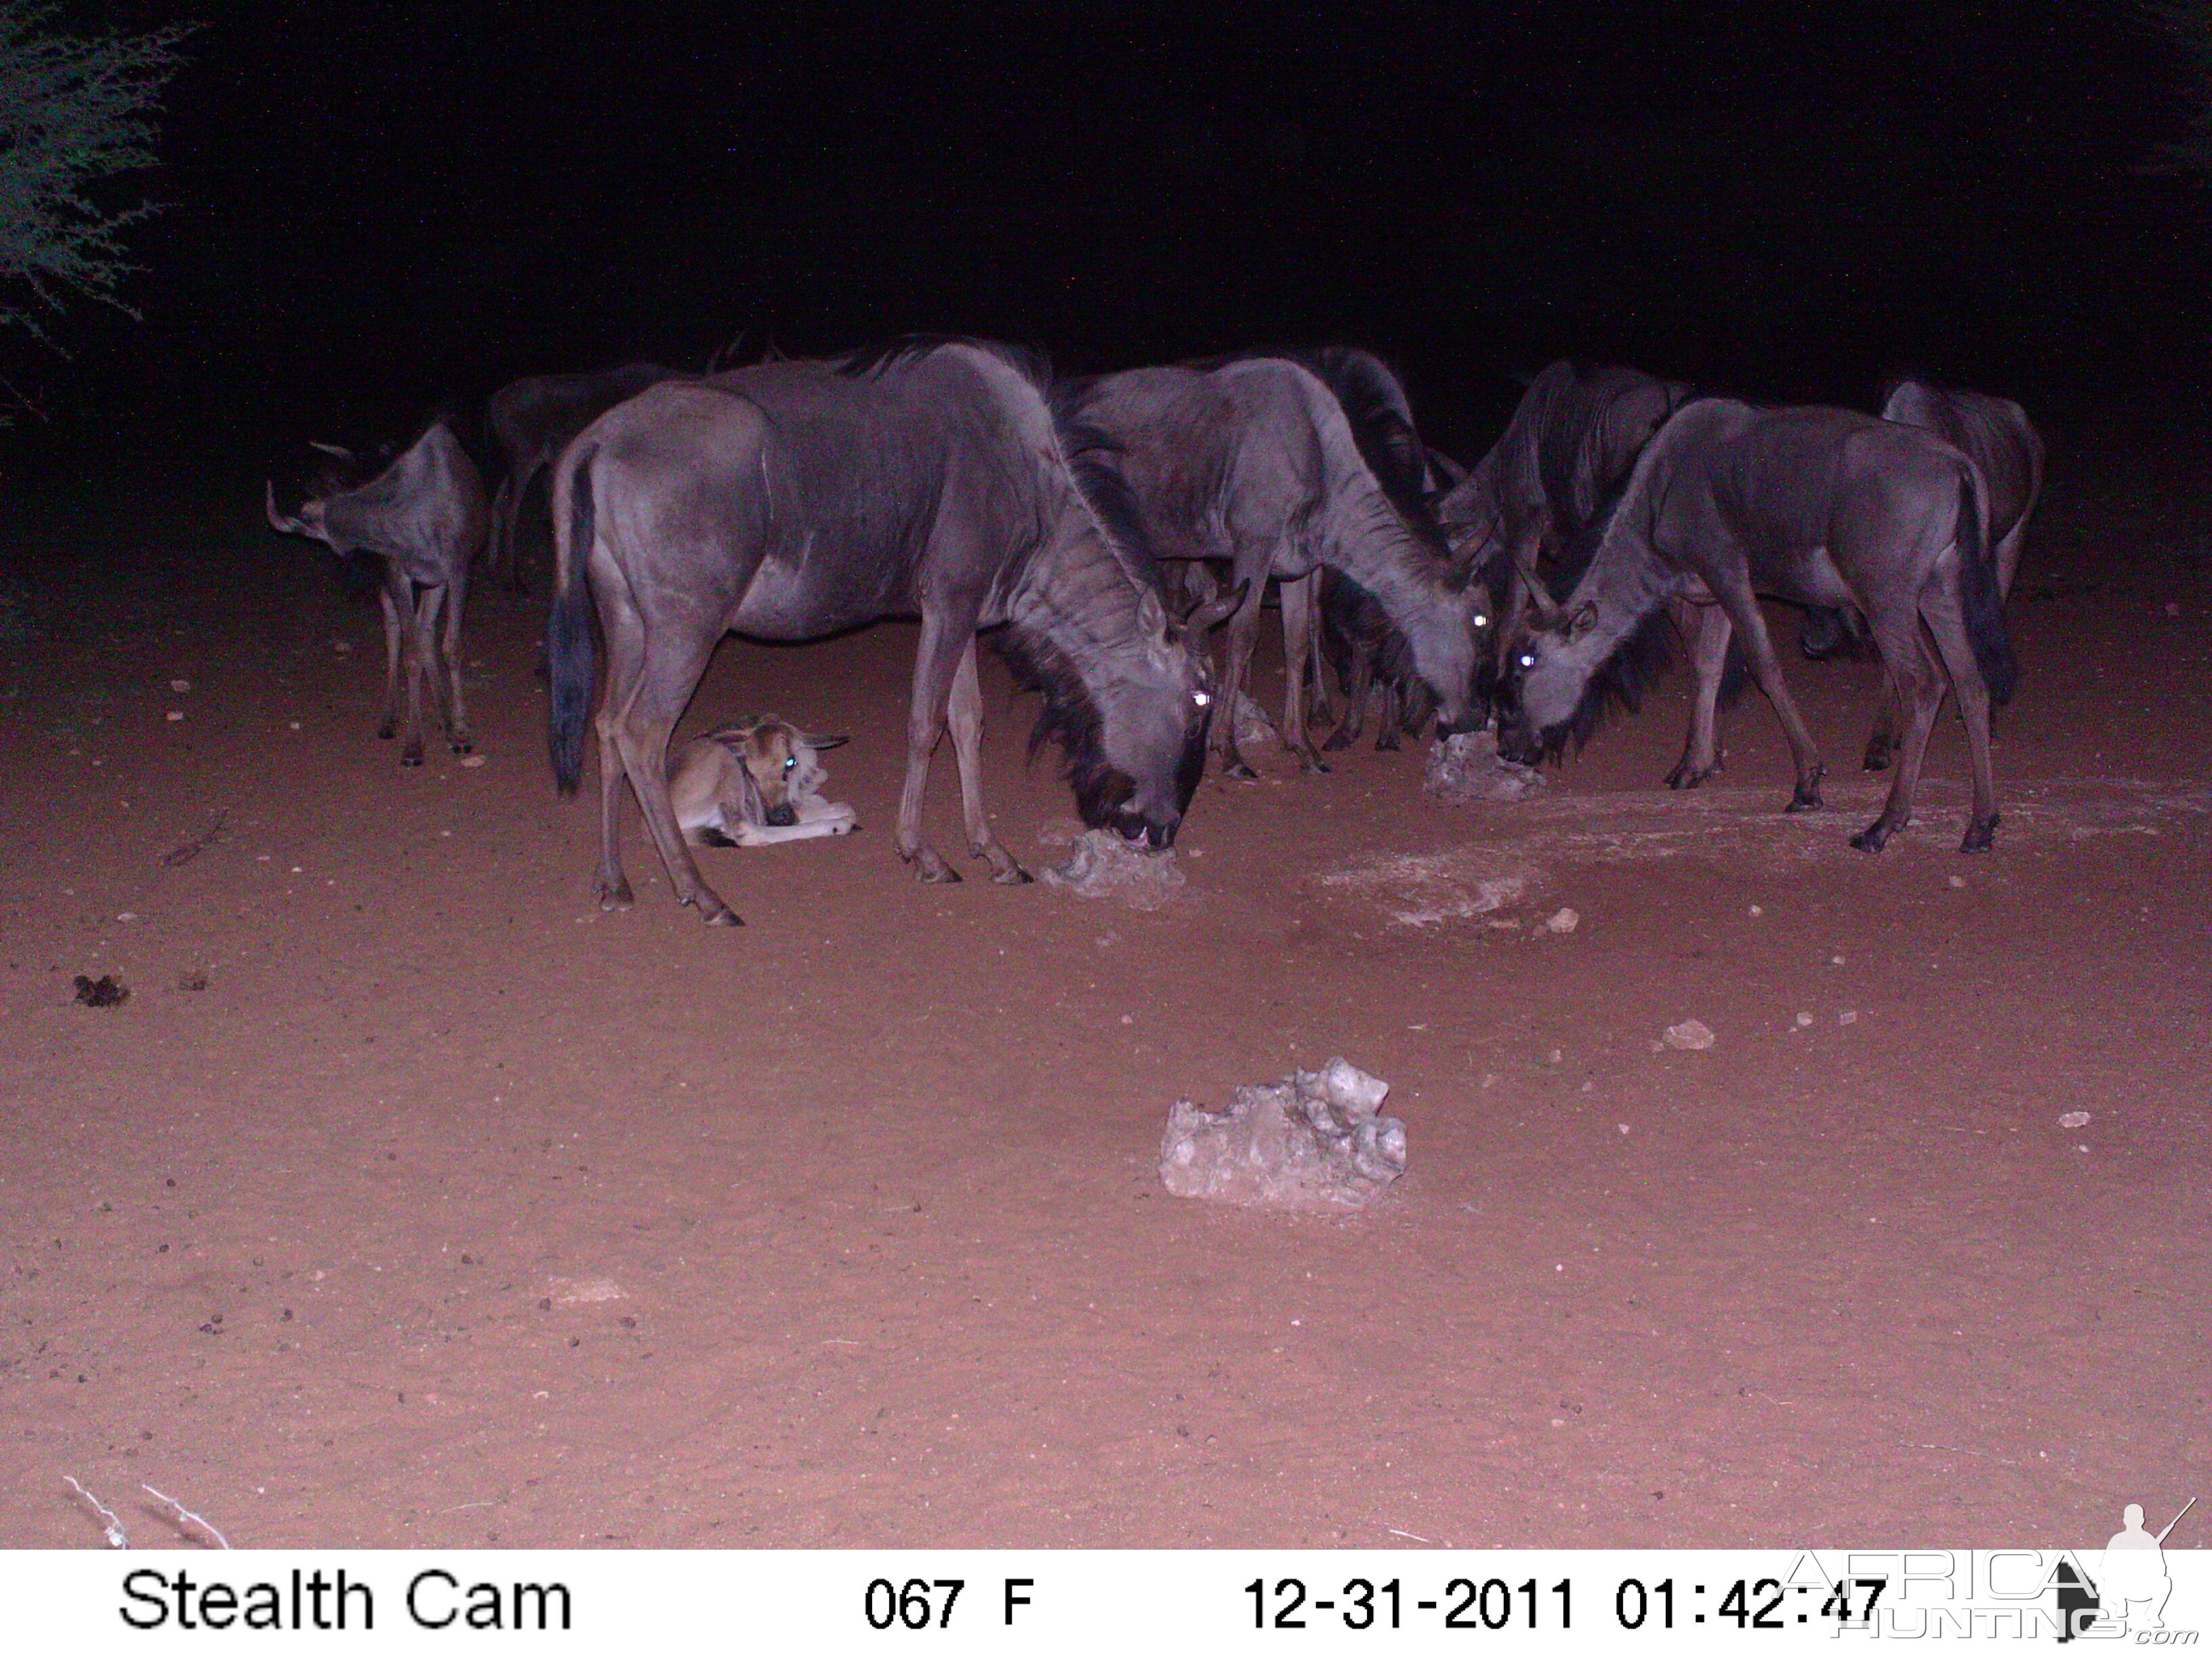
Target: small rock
1849, 1016
1563, 920
1756, 911
1466, 768
1803, 1018
340, 646
2074, 1121
1958, 881
2173, 609
176, 714
473, 761
1692, 1033
180, 686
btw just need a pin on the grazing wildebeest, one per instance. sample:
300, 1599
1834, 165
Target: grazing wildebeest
531, 420
1996, 436
753, 783
1813, 506
1253, 461
420, 518
1516, 518
792, 500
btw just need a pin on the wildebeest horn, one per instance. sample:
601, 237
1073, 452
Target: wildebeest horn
1217, 609
339, 450
1453, 472
1546, 607
276, 520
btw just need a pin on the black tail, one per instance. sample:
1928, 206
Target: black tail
1978, 597
569, 658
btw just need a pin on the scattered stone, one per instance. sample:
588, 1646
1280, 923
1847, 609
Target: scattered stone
1106, 866
1849, 1016
473, 761
1563, 920
1314, 1141
1466, 768
1803, 1019
1757, 911
180, 686
1690, 1034
2173, 607
2074, 1121
176, 714
105, 991
1958, 881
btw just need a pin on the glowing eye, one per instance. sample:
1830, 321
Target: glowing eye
1480, 620
1528, 661
789, 762
1202, 699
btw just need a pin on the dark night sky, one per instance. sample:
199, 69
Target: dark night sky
370, 208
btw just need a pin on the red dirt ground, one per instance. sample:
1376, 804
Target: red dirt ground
409, 1200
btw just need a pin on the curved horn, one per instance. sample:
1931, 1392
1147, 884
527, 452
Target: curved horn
1540, 597
339, 450
1451, 471
277, 521
1216, 611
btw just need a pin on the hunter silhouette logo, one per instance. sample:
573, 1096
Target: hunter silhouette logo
2132, 1584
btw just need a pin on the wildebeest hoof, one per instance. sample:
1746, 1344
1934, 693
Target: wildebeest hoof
388, 731
412, 755
1686, 776
721, 915
616, 898
1012, 875
1388, 744
1980, 837
1337, 740
1871, 839
1240, 772
934, 869
1314, 765
1805, 800
462, 746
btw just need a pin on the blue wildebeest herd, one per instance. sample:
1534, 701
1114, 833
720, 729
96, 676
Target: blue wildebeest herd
1097, 530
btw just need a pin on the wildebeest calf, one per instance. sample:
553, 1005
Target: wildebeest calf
422, 519
754, 783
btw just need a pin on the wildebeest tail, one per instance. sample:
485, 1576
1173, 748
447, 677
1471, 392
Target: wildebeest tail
568, 659
1978, 597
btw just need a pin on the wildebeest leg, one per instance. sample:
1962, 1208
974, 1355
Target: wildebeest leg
1919, 683
403, 641
1758, 646
494, 552
506, 526
1888, 722
673, 661
390, 725
1708, 630
625, 636
936, 665
457, 716
964, 713
1298, 619
1940, 606
1243, 631
1321, 707
1356, 683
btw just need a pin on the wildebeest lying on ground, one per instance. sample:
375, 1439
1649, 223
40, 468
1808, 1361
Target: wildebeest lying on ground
1996, 436
420, 518
792, 500
1253, 461
753, 783
532, 420
1519, 516
1819, 506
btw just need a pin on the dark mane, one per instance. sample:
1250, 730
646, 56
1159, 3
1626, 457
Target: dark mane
1622, 682
866, 362
1067, 713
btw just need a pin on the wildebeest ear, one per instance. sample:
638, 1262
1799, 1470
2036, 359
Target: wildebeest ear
1582, 620
1151, 615
825, 742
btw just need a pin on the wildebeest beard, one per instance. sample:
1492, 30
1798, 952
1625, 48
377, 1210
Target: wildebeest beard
1103, 792
1621, 681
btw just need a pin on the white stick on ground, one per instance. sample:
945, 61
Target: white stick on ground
183, 1514
110, 1525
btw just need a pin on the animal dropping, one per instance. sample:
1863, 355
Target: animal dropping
1315, 1142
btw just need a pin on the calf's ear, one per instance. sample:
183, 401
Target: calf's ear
1582, 619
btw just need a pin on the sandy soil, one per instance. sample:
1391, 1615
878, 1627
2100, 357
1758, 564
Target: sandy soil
411, 1200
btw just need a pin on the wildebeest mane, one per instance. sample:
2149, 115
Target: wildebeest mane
867, 362
1383, 429
1066, 712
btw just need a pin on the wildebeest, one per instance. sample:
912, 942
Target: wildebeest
420, 518
1817, 507
1253, 460
531, 420
753, 783
1516, 516
1996, 436
792, 500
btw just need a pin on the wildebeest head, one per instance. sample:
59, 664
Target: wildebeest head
311, 479
1135, 735
780, 761
1542, 700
